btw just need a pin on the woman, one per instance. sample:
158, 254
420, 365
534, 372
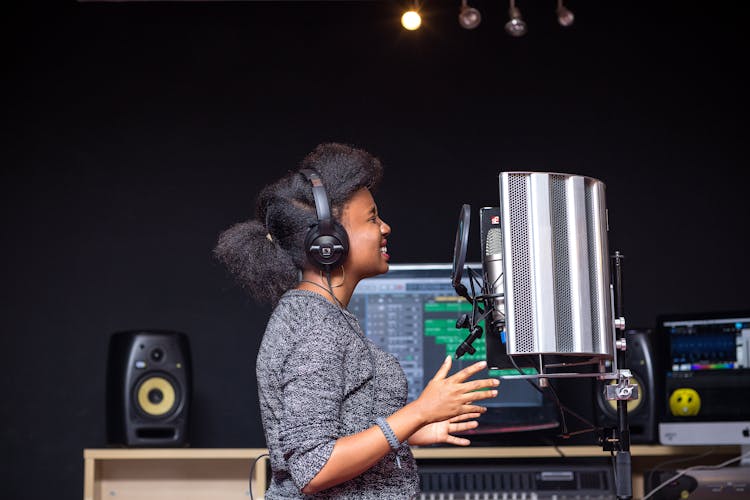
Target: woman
332, 402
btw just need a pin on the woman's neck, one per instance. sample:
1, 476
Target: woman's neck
338, 290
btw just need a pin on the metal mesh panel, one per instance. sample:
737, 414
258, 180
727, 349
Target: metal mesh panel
593, 272
563, 303
522, 280
555, 264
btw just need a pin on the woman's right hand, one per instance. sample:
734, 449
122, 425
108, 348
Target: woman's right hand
447, 397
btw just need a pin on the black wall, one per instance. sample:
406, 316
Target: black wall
136, 132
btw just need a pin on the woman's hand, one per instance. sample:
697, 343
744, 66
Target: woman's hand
441, 432
447, 397
446, 405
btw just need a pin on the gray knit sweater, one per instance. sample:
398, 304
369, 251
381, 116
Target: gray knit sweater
316, 384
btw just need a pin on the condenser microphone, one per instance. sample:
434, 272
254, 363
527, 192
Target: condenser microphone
491, 239
492, 260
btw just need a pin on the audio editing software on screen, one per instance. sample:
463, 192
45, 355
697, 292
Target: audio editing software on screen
415, 320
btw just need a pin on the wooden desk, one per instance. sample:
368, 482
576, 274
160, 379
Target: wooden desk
199, 473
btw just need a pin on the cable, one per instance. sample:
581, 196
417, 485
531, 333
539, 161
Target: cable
539, 389
549, 442
676, 460
252, 470
695, 467
557, 402
561, 407
328, 290
591, 427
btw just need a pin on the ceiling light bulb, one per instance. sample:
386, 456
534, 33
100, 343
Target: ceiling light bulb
516, 26
411, 20
564, 16
469, 17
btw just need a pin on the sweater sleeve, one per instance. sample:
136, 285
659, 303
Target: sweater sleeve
313, 388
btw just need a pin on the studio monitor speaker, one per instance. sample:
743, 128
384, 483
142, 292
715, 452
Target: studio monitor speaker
640, 359
149, 385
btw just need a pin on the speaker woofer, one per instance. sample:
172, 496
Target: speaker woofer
156, 396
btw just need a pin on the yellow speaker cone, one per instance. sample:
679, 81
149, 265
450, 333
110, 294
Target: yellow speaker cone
633, 403
156, 396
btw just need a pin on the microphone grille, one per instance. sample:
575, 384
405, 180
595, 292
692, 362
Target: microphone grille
494, 243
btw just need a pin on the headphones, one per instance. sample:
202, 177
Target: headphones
326, 242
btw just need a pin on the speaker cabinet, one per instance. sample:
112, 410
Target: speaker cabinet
640, 359
149, 384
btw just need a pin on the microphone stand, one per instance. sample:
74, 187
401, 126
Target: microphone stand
617, 440
470, 323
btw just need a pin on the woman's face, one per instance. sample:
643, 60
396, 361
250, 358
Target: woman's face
367, 236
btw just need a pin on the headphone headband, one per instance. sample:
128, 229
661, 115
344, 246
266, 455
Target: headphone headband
319, 193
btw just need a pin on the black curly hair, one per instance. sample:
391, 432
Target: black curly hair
265, 254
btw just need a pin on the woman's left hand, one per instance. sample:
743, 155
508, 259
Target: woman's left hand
441, 432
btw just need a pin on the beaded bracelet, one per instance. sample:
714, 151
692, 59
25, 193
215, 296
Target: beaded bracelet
390, 436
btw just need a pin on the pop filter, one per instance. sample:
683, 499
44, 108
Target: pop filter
459, 250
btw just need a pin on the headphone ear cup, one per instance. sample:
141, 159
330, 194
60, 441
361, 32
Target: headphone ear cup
340, 234
327, 249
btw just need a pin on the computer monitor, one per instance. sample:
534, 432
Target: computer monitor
411, 312
706, 376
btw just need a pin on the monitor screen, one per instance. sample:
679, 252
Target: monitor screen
411, 312
706, 377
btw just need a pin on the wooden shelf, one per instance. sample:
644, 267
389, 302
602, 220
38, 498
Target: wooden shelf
222, 473
171, 453
172, 473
